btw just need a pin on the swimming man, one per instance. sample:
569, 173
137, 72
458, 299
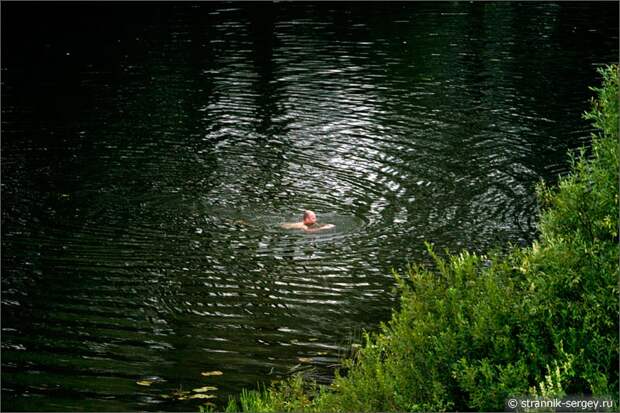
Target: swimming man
308, 223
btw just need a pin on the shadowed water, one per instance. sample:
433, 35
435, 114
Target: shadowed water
151, 152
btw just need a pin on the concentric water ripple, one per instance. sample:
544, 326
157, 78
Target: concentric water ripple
143, 189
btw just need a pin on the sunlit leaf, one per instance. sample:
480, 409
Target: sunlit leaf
305, 359
205, 389
202, 396
212, 373
144, 382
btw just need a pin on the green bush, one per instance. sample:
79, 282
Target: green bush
538, 321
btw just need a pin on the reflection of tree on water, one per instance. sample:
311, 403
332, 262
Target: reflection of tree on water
261, 31
271, 126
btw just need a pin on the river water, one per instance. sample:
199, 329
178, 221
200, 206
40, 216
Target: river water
150, 152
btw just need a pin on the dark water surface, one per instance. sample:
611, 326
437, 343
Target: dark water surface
150, 151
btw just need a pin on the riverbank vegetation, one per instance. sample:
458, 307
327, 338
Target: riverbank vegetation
478, 329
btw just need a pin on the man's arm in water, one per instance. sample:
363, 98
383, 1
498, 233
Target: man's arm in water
293, 225
316, 229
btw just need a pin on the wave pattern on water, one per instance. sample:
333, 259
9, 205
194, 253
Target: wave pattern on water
141, 230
